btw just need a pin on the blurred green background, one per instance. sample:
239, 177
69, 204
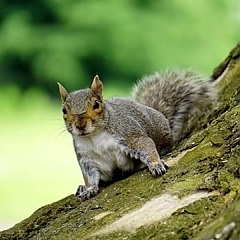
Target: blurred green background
69, 41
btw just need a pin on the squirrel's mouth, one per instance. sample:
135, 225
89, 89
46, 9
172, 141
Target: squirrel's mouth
80, 133
83, 134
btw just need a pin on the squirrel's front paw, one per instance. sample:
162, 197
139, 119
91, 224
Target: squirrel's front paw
158, 169
85, 193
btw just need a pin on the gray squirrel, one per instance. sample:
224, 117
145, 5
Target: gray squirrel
117, 137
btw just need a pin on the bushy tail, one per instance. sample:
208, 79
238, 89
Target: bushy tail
183, 96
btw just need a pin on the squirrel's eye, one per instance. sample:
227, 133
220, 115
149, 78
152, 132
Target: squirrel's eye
64, 110
95, 104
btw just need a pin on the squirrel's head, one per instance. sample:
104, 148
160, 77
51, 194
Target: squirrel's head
83, 110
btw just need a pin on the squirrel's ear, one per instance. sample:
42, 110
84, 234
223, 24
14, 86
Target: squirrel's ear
97, 86
63, 92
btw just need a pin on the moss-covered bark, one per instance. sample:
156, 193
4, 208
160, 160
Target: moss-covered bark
213, 164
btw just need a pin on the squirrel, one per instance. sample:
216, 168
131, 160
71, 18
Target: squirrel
122, 135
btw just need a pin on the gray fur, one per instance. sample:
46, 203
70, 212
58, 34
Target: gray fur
130, 134
181, 95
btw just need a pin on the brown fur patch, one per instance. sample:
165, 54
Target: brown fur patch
92, 113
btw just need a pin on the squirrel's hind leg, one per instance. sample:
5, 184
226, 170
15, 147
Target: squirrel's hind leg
145, 150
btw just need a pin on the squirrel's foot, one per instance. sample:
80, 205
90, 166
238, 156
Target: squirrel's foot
85, 193
158, 169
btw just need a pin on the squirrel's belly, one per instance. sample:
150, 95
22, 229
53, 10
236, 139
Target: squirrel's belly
111, 160
105, 153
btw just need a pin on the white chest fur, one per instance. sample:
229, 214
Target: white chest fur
103, 152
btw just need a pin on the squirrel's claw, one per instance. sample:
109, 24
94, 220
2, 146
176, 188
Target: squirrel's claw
159, 169
84, 193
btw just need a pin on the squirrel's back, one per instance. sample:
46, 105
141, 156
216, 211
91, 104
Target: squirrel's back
130, 118
181, 95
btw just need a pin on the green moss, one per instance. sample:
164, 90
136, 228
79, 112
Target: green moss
187, 185
217, 227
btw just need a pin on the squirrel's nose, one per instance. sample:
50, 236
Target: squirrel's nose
80, 126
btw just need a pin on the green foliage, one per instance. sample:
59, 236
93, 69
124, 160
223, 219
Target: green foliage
37, 161
69, 41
